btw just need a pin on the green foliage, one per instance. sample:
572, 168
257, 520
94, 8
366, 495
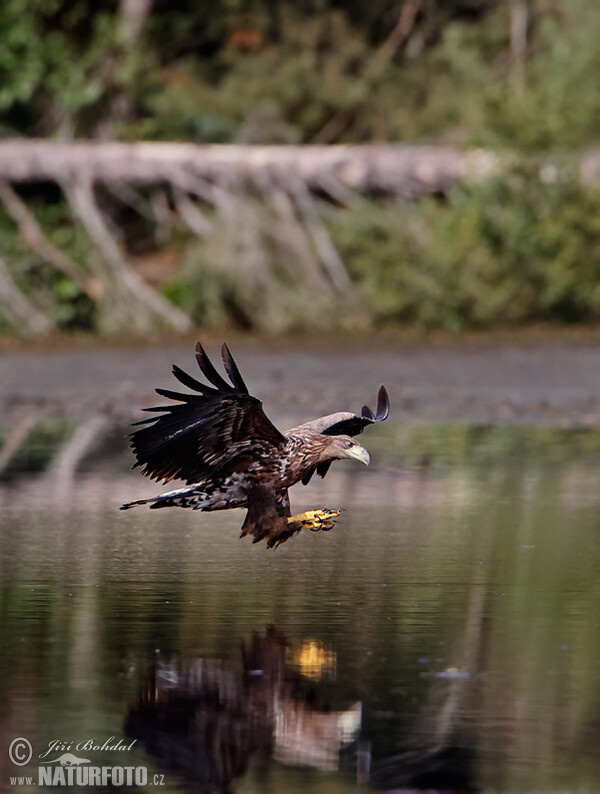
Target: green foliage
557, 104
277, 72
302, 69
282, 91
241, 276
57, 65
510, 251
203, 290
459, 82
57, 294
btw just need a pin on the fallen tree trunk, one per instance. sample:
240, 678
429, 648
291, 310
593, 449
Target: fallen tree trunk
395, 169
257, 211
407, 171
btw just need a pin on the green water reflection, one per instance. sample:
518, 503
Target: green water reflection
445, 634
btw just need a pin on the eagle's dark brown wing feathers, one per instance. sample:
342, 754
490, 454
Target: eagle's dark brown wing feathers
192, 383
383, 405
210, 372
169, 448
177, 395
232, 370
196, 437
351, 425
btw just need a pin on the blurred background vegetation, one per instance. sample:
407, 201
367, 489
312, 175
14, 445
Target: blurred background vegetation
516, 77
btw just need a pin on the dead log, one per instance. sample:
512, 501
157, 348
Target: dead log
257, 211
400, 170
336, 171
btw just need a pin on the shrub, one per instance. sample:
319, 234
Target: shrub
504, 253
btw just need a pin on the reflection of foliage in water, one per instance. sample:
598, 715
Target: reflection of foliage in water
39, 447
409, 444
449, 444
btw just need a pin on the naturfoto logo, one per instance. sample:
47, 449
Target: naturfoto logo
92, 775
70, 769
68, 759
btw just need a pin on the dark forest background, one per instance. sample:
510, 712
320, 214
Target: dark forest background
517, 79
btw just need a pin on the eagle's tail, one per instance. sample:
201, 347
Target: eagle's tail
160, 501
129, 505
182, 497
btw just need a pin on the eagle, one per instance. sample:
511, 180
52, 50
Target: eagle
221, 443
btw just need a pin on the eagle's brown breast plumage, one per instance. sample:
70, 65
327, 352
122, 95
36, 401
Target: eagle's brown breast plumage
219, 441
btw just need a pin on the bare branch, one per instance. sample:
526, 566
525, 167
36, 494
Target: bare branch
131, 198
18, 309
331, 186
81, 198
164, 217
373, 70
291, 233
398, 36
133, 15
37, 241
328, 253
192, 216
519, 24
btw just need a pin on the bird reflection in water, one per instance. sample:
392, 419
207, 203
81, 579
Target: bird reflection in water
206, 719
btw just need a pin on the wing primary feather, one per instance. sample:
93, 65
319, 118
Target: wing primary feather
367, 413
308, 477
144, 422
176, 395
232, 370
204, 430
190, 382
323, 468
383, 404
209, 371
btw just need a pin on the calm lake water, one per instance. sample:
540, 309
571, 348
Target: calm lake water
444, 635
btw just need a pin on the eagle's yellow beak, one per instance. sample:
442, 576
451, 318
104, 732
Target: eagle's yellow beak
359, 453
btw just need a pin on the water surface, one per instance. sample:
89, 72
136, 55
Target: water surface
443, 635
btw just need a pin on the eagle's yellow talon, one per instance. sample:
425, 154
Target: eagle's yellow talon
315, 520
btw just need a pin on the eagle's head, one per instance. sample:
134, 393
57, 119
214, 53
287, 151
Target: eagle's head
339, 447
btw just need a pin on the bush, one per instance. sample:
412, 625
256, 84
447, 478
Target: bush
511, 251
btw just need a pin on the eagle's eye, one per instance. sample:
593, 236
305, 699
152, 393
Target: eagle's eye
349, 444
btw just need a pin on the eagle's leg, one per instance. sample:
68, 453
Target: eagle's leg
314, 520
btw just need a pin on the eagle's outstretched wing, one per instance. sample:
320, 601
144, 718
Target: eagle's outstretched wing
348, 424
194, 438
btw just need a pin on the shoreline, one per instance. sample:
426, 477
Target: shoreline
539, 381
